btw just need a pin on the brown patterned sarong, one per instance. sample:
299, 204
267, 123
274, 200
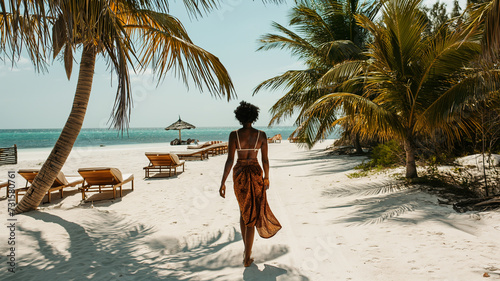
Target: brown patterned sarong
251, 195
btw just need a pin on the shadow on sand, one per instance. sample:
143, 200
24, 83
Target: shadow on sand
328, 163
103, 245
375, 203
271, 273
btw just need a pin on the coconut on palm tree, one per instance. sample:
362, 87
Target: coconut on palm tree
130, 34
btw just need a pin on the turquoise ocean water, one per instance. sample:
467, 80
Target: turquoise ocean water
42, 138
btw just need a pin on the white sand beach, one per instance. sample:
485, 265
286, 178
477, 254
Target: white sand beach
178, 228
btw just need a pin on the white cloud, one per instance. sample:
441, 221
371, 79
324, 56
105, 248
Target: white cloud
22, 64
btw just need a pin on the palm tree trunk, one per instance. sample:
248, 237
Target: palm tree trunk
357, 144
411, 167
483, 150
43, 181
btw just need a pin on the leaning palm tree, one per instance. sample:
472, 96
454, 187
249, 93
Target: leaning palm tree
327, 37
130, 34
414, 84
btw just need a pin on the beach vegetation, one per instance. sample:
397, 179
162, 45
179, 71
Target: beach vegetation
388, 154
358, 174
382, 157
410, 82
328, 41
416, 84
365, 169
131, 35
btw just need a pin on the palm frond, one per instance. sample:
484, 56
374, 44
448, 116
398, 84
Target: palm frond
291, 41
370, 117
340, 50
164, 52
473, 87
24, 32
292, 80
306, 18
122, 108
491, 28
324, 41
292, 102
134, 20
301, 92
341, 73
370, 10
317, 125
448, 54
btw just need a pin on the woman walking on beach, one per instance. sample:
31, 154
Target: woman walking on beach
249, 184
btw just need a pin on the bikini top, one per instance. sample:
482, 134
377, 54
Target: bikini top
239, 145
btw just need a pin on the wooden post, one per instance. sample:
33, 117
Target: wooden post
15, 154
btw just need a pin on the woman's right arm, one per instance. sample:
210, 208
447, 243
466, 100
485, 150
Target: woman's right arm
229, 163
265, 159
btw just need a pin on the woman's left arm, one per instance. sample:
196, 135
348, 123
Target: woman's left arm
231, 149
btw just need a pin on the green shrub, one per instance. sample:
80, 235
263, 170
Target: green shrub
385, 155
359, 174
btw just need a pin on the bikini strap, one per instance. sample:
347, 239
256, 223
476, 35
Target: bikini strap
238, 138
257, 141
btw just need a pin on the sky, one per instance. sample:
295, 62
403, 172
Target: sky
31, 100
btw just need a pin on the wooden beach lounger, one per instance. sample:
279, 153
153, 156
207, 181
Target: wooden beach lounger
217, 149
159, 161
59, 184
5, 184
98, 179
192, 154
200, 146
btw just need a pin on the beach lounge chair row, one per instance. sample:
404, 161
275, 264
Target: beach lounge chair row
192, 154
217, 148
92, 180
161, 162
203, 145
203, 151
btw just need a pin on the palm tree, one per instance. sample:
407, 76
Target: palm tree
327, 37
414, 84
129, 33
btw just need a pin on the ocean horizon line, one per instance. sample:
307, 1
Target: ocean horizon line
93, 137
201, 127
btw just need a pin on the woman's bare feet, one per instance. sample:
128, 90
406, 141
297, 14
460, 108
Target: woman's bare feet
247, 261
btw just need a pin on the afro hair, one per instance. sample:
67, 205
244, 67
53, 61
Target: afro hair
246, 113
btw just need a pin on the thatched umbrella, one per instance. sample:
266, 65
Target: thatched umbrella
180, 125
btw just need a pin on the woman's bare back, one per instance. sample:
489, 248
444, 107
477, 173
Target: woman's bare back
248, 143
